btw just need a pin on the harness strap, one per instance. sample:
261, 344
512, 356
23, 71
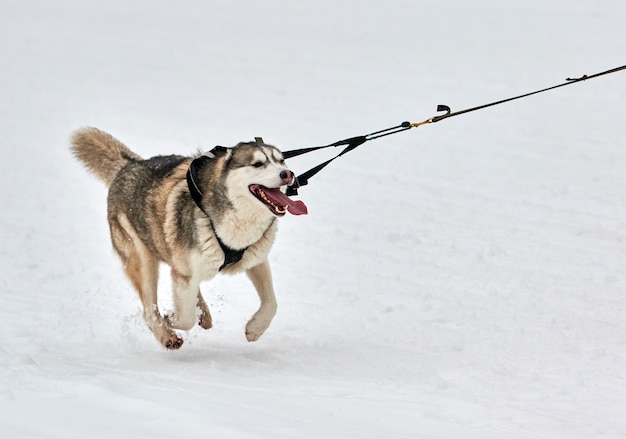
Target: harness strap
353, 142
231, 255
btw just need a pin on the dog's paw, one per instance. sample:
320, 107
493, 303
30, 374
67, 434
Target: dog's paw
253, 336
255, 329
172, 343
205, 321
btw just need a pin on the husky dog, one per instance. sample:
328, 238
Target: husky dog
204, 215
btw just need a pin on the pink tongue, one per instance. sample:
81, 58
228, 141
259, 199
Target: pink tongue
294, 207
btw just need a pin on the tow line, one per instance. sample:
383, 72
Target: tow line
353, 142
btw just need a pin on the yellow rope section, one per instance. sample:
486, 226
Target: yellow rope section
424, 122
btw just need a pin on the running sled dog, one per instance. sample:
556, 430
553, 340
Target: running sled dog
214, 213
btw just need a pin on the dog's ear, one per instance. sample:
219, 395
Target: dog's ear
217, 150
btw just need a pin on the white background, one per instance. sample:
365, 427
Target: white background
461, 280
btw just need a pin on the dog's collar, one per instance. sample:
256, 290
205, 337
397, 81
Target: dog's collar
231, 255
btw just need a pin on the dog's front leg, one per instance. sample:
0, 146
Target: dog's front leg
261, 277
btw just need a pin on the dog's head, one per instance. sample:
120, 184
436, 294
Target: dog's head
251, 175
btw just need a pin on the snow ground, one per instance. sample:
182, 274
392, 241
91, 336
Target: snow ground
461, 280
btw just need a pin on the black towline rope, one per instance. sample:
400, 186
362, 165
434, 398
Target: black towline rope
354, 142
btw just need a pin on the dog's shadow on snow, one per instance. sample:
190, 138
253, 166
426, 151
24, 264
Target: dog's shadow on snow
202, 347
230, 354
224, 349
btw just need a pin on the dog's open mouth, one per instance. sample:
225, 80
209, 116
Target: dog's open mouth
277, 202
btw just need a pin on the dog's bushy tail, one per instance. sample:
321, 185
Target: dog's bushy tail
101, 153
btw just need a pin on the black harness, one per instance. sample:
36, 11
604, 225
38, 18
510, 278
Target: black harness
231, 255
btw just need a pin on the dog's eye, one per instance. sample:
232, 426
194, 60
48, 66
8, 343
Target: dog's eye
257, 164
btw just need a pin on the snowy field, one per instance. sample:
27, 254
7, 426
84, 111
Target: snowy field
465, 279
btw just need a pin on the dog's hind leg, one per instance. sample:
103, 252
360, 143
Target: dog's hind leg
261, 277
205, 315
142, 268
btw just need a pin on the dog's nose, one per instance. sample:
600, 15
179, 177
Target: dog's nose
286, 176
